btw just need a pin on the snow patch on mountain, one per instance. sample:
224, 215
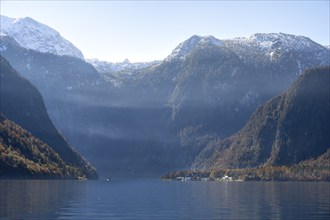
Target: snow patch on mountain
126, 67
280, 40
272, 43
3, 48
33, 35
184, 48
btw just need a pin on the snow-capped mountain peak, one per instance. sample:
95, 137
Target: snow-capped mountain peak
280, 39
273, 45
269, 44
184, 48
36, 36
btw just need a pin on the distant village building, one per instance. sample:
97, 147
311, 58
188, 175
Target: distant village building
226, 178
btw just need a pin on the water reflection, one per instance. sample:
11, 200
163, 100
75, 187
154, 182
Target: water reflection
28, 199
269, 200
153, 199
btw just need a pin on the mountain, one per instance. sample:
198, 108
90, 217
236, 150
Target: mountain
261, 57
216, 85
22, 103
290, 128
31, 34
258, 53
150, 120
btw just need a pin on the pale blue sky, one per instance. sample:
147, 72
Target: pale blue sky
149, 30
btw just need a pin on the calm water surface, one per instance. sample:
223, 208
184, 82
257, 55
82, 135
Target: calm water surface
155, 199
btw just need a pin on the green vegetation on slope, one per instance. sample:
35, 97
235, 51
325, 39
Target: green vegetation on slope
25, 156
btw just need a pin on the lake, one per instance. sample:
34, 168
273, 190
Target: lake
155, 199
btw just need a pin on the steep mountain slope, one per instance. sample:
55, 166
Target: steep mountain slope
25, 156
274, 59
31, 34
288, 129
22, 103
